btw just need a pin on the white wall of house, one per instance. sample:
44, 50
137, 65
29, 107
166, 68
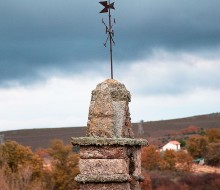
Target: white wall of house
171, 146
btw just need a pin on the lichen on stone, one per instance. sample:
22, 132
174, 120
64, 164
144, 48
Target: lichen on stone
100, 141
110, 156
109, 114
102, 178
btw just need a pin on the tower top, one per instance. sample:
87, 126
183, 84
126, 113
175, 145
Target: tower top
109, 114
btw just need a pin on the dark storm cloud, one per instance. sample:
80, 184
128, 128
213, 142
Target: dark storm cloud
41, 35
67, 35
172, 24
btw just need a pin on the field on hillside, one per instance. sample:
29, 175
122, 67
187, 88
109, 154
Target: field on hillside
156, 132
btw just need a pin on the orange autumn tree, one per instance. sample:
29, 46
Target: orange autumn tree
169, 160
213, 135
150, 158
184, 161
20, 167
15, 156
64, 165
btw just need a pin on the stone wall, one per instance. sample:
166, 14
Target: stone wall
110, 157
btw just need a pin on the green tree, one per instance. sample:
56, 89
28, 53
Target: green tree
197, 146
212, 156
64, 165
213, 135
182, 142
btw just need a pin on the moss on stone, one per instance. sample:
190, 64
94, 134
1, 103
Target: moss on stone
86, 141
102, 178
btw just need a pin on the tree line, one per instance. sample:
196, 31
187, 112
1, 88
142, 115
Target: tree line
167, 170
23, 169
55, 168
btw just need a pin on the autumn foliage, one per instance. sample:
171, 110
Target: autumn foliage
170, 180
206, 146
189, 130
152, 159
21, 169
171, 170
64, 165
213, 135
55, 168
197, 146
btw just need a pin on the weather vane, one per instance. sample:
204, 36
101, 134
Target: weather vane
108, 29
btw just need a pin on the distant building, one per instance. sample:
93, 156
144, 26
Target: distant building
172, 145
199, 161
140, 128
2, 136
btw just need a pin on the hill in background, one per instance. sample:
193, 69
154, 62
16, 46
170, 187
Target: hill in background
157, 132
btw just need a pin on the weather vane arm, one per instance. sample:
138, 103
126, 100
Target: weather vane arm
110, 32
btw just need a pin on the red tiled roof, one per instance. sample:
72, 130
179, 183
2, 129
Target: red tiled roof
174, 142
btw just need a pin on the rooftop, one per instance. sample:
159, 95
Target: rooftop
174, 142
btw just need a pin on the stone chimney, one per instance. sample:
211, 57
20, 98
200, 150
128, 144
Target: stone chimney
110, 156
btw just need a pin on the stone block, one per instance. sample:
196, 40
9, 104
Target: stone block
100, 141
134, 153
119, 117
103, 152
101, 127
102, 106
137, 160
105, 186
108, 112
102, 178
103, 166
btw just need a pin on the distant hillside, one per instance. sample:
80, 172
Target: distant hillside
40, 138
164, 127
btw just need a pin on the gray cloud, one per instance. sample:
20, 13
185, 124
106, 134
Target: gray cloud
173, 24
67, 35
168, 74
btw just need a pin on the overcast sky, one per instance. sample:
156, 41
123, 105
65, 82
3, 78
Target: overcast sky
167, 53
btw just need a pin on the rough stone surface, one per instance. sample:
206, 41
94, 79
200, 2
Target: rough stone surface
103, 166
82, 178
134, 185
100, 141
109, 114
101, 127
105, 152
110, 158
105, 186
135, 153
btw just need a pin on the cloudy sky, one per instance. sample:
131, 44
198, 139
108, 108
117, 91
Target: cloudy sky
167, 53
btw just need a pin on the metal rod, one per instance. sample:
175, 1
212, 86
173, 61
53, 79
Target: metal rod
110, 41
107, 8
